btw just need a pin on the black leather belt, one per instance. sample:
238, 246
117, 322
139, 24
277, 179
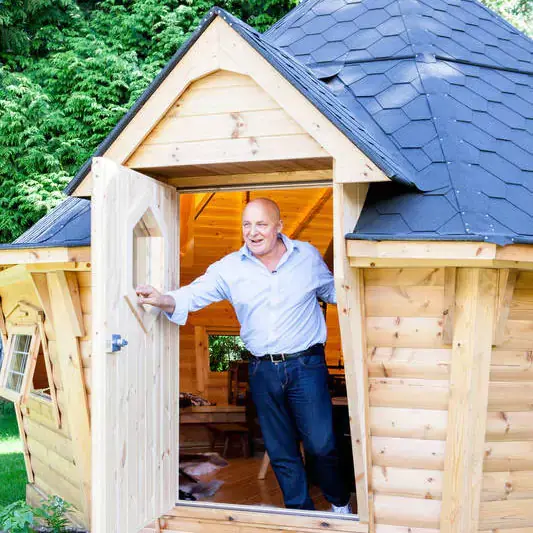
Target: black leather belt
316, 349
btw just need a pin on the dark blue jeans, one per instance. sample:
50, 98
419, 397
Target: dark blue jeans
293, 404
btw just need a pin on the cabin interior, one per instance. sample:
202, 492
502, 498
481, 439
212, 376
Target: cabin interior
211, 229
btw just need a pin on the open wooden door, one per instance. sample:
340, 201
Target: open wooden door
135, 239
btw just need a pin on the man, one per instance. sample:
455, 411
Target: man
273, 283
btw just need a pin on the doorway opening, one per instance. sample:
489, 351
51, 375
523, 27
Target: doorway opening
222, 454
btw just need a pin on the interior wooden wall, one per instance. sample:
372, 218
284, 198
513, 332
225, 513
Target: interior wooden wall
51, 455
217, 232
409, 370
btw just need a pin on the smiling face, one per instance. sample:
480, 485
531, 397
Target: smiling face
260, 226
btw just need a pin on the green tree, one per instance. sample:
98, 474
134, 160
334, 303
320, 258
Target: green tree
69, 70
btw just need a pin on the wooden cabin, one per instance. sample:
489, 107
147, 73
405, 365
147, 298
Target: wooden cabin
400, 131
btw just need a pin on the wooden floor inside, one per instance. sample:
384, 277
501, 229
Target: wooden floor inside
242, 487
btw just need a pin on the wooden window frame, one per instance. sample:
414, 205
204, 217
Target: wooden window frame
33, 351
38, 339
201, 349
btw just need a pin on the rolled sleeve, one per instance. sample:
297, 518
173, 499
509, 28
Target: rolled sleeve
181, 301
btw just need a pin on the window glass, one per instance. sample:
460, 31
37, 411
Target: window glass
223, 349
17, 363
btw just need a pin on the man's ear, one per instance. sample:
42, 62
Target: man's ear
280, 226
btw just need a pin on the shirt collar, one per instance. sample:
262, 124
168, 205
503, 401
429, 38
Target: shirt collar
289, 244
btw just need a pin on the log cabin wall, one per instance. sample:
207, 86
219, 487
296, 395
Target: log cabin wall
51, 456
409, 325
507, 483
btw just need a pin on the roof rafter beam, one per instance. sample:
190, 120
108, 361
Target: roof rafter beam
311, 213
204, 202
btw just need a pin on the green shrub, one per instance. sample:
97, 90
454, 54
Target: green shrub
17, 518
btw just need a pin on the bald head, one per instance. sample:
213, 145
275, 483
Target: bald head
261, 225
270, 208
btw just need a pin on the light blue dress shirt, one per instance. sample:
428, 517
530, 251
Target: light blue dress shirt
278, 311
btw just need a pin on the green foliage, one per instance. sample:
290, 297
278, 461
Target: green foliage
17, 518
518, 12
12, 468
223, 349
70, 69
52, 512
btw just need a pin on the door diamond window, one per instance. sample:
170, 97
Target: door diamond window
148, 260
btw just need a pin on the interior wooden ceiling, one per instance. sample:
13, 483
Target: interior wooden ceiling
307, 215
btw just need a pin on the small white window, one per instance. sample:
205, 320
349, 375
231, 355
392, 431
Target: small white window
17, 362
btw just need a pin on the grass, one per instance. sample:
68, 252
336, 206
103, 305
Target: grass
12, 468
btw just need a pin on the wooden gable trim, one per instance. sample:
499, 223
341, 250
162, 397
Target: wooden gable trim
221, 48
19, 256
438, 254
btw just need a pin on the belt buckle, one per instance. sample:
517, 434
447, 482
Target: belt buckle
280, 358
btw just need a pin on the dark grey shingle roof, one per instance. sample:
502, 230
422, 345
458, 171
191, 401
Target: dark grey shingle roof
446, 88
68, 224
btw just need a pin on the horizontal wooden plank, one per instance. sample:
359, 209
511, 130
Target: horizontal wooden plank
409, 393
506, 514
408, 453
409, 362
508, 456
509, 426
63, 467
434, 394
522, 305
517, 485
409, 512
206, 101
408, 423
45, 475
213, 517
406, 482
242, 124
518, 334
45, 255
53, 439
510, 396
524, 280
511, 365
248, 179
408, 332
403, 301
382, 528
224, 78
403, 277
271, 148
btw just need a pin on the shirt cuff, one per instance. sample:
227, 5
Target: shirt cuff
181, 309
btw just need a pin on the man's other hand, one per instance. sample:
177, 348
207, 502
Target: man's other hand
146, 294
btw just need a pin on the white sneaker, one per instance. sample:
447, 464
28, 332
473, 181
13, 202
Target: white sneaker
345, 509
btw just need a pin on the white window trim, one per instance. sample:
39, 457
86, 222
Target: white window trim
33, 331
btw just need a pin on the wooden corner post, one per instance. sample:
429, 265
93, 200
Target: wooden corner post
476, 295
348, 200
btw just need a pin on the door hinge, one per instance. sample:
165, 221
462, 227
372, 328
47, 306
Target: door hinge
116, 343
